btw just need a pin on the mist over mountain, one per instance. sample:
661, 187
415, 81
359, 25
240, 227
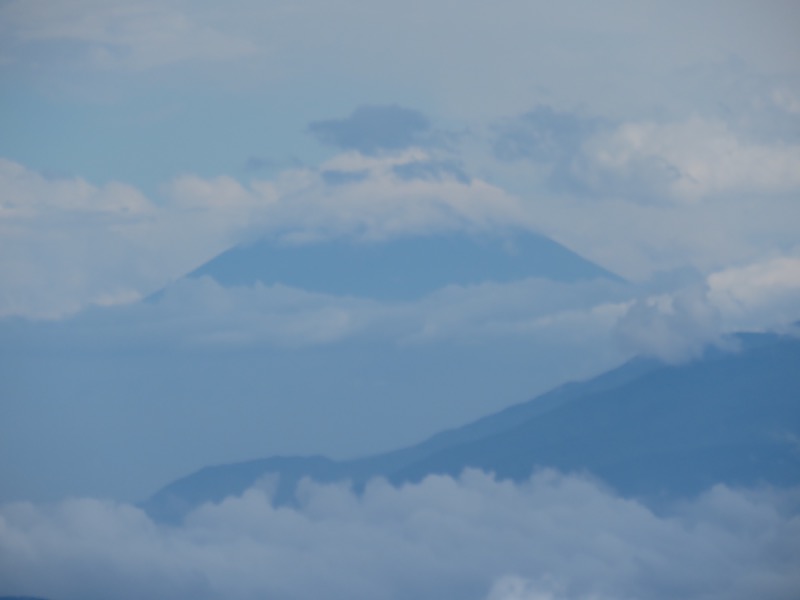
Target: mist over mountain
651, 431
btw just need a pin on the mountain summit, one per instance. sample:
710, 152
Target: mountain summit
402, 268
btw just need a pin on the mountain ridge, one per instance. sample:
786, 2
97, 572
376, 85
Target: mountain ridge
696, 424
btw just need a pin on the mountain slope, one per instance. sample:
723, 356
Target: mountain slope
673, 431
647, 429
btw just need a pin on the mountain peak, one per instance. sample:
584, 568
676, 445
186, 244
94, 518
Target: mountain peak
402, 268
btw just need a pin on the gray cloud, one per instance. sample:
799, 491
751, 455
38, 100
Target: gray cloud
544, 134
370, 129
554, 536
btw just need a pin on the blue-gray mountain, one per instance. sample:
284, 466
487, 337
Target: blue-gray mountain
650, 430
402, 268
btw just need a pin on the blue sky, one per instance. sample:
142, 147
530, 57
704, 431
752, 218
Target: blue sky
139, 140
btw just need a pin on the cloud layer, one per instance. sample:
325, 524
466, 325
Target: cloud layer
51, 226
554, 537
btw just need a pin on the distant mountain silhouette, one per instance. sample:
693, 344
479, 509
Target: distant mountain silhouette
650, 430
399, 269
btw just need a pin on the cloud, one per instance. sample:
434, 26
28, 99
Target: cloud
673, 327
359, 196
198, 312
674, 322
554, 536
27, 195
680, 323
113, 35
391, 196
685, 161
371, 129
645, 196
544, 134
52, 227
747, 294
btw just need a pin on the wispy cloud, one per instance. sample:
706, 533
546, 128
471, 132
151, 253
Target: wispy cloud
114, 35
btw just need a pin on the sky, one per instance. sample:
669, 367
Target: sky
658, 141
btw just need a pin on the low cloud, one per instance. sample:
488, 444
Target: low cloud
554, 536
199, 312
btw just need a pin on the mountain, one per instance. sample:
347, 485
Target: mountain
401, 268
650, 430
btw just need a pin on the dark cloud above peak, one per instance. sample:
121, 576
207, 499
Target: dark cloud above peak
543, 134
371, 129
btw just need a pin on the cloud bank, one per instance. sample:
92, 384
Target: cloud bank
554, 536
51, 227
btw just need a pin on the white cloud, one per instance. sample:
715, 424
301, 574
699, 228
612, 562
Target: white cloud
687, 161
673, 327
53, 228
678, 324
554, 537
637, 238
27, 194
383, 204
67, 243
750, 294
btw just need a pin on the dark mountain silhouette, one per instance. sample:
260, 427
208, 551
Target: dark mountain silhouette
649, 430
402, 268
